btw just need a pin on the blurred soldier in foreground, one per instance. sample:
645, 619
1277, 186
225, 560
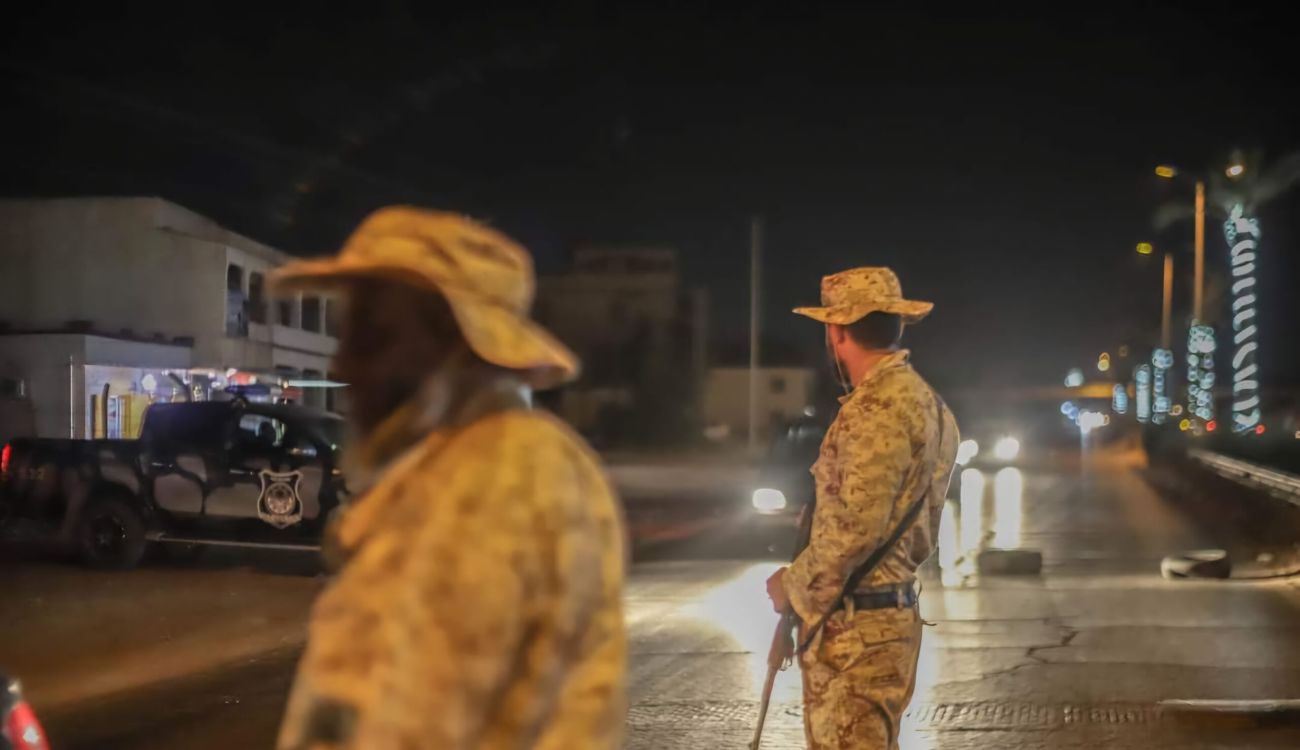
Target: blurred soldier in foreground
881, 480
478, 601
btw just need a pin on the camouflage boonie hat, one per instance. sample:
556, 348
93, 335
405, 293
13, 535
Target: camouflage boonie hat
849, 296
485, 276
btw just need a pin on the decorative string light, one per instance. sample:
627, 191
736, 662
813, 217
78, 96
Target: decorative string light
1142, 377
1161, 360
1242, 233
1201, 346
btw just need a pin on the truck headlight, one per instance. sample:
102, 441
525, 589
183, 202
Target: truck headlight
769, 500
1007, 449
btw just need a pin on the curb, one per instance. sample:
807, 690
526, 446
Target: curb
1262, 712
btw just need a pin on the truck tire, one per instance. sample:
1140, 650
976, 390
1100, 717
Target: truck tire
111, 534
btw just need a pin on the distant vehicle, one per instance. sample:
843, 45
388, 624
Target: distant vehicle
785, 483
229, 473
994, 442
1017, 435
19, 727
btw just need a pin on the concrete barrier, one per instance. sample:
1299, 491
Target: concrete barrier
1009, 562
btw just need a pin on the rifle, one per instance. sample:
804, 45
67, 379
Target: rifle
781, 653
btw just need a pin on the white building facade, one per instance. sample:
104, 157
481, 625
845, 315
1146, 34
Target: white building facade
128, 292
784, 393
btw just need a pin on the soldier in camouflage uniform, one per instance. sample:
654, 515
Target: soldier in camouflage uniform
892, 442
478, 599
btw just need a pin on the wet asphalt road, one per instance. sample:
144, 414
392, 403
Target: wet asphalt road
1076, 657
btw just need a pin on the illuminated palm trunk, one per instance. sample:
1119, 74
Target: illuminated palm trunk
1242, 233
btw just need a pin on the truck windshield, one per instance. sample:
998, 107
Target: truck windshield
185, 424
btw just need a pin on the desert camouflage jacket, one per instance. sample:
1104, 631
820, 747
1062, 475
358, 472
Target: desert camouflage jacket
881, 452
480, 603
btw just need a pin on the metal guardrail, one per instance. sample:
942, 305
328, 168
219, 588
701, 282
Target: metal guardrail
1280, 484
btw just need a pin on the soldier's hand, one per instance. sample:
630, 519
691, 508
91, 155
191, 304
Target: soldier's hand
776, 591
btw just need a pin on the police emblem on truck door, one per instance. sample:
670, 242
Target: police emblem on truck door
279, 504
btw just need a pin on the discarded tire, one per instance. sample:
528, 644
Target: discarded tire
1205, 563
1009, 562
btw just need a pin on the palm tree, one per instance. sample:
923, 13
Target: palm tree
1236, 196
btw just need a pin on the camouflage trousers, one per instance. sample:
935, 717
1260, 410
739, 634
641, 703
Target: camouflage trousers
859, 678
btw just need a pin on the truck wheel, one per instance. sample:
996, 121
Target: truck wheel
111, 534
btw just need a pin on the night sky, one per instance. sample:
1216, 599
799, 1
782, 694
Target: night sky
1001, 164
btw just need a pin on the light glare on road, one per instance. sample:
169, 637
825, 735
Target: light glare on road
730, 611
971, 517
1008, 507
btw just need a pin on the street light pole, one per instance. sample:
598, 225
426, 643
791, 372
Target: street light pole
755, 287
1169, 172
1198, 291
1200, 344
1166, 307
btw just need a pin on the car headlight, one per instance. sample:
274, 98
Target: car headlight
1006, 449
967, 451
769, 500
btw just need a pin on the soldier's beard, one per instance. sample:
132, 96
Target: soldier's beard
838, 370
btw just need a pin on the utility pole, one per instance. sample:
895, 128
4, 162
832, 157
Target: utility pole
1166, 307
1198, 292
72, 399
755, 288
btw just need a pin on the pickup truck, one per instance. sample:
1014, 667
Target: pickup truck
229, 473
